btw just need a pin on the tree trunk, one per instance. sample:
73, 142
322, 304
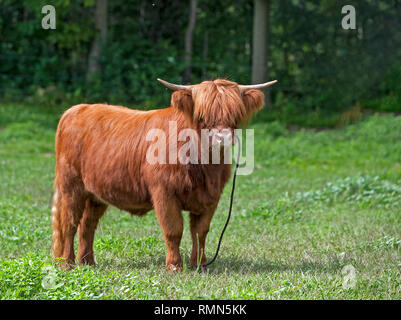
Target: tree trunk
188, 41
260, 54
100, 37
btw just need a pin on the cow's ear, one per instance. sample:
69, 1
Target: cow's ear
253, 100
183, 101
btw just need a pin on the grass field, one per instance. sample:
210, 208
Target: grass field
315, 203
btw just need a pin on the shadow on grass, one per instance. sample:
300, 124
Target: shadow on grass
234, 265
246, 266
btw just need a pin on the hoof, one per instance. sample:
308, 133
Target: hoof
86, 261
67, 266
204, 269
201, 268
173, 268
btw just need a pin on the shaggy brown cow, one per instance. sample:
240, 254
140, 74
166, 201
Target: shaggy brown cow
101, 160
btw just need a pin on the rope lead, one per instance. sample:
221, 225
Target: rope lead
231, 205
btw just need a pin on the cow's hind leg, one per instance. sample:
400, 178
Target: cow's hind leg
66, 213
199, 228
86, 230
169, 215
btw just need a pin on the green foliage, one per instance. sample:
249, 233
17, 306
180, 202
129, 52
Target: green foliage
387, 96
322, 69
365, 191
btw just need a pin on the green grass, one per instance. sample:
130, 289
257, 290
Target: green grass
316, 202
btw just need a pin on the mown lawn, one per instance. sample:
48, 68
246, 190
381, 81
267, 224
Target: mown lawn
315, 203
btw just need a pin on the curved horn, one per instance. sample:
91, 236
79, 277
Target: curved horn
173, 86
256, 86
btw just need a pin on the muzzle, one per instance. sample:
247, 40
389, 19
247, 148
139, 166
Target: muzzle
221, 137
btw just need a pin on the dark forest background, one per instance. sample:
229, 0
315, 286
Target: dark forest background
113, 51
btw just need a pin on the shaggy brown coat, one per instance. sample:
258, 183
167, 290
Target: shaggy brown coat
101, 161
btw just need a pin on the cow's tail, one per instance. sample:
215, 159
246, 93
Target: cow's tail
56, 225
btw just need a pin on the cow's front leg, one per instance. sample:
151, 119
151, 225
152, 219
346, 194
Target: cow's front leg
168, 212
199, 229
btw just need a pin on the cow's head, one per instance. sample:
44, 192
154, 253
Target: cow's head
218, 105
